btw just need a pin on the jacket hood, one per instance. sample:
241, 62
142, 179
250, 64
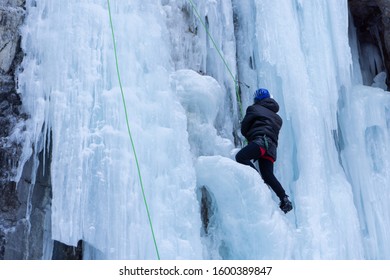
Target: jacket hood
269, 103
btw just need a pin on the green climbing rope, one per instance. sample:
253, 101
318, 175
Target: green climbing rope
236, 83
129, 131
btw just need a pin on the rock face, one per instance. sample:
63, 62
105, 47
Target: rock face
384, 6
372, 21
24, 206
11, 17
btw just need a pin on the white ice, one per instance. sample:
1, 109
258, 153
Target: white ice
184, 119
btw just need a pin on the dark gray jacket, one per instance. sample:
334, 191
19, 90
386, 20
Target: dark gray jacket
262, 124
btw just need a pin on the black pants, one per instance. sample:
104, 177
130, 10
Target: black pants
252, 152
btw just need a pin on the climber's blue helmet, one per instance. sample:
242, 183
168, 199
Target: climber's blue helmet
260, 94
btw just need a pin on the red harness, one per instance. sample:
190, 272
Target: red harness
264, 156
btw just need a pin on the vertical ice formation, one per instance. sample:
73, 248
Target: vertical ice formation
71, 88
183, 114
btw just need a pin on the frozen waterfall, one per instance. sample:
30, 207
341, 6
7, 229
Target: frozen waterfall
184, 118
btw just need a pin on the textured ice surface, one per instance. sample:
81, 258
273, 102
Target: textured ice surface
183, 113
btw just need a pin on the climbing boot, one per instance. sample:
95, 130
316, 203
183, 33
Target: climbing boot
285, 204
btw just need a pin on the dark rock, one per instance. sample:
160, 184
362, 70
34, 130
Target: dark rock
2, 245
11, 17
7, 84
62, 251
25, 212
9, 198
372, 21
25, 207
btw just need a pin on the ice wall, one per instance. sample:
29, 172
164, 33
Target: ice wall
366, 123
184, 115
71, 88
304, 59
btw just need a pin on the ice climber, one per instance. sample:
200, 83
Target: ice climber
260, 127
